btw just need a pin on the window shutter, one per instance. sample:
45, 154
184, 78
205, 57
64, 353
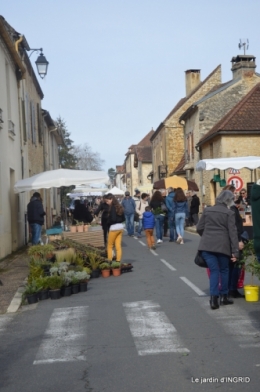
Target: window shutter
39, 123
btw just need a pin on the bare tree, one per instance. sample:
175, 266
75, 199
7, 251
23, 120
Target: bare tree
86, 158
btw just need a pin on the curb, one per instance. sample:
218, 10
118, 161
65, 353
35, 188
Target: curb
17, 299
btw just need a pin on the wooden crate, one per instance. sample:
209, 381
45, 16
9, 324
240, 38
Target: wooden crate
94, 238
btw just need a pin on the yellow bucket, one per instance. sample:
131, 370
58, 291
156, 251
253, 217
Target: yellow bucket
251, 293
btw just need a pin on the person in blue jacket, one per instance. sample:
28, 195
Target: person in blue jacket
181, 212
148, 225
171, 217
129, 210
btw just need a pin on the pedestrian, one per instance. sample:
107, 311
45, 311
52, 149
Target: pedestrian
35, 217
219, 244
194, 208
140, 209
165, 223
156, 205
115, 221
171, 216
137, 196
148, 225
103, 209
81, 212
128, 205
181, 212
189, 198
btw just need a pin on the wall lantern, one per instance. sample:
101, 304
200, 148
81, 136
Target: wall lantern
41, 63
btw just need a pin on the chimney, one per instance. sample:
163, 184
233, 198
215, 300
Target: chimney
243, 66
192, 80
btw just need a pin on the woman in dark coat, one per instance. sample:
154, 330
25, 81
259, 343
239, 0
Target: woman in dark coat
103, 208
219, 244
156, 205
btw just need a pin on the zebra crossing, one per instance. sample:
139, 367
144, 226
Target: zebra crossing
65, 338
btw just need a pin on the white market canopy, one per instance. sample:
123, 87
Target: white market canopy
116, 191
84, 194
60, 177
229, 163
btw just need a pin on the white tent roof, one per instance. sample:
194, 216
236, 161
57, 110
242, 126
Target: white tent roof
229, 163
116, 191
60, 177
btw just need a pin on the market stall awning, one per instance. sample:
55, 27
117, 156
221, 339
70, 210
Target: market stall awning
251, 162
60, 177
176, 182
116, 191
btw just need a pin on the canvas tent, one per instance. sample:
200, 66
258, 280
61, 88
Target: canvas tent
251, 162
60, 177
116, 191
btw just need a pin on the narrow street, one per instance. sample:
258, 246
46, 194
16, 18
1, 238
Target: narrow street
149, 330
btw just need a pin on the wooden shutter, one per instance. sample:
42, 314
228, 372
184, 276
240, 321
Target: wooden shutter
24, 122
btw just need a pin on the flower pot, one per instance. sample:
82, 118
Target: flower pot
32, 298
251, 293
75, 288
95, 273
43, 294
65, 291
80, 229
105, 273
116, 271
83, 286
73, 229
54, 294
86, 227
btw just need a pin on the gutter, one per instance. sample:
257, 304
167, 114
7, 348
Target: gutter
228, 133
12, 48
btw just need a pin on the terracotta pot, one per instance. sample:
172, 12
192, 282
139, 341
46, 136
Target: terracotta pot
105, 273
116, 271
73, 229
86, 227
80, 229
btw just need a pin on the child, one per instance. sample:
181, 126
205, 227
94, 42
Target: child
148, 225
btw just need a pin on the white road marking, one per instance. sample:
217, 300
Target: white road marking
168, 265
142, 243
151, 329
65, 336
236, 322
153, 252
192, 286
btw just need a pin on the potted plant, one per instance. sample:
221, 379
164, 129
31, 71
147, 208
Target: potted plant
43, 283
31, 292
66, 287
79, 226
41, 251
105, 269
74, 284
253, 266
116, 268
86, 227
55, 283
94, 263
73, 228
83, 278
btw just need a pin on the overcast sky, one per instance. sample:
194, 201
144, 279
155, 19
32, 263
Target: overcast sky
117, 66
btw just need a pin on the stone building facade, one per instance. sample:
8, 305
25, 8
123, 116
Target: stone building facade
167, 141
201, 118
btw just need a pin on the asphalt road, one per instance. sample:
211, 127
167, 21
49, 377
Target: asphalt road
148, 330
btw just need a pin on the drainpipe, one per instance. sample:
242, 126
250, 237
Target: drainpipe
17, 43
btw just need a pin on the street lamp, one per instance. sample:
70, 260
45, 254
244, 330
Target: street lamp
41, 63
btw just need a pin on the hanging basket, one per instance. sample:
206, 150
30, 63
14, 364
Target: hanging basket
222, 183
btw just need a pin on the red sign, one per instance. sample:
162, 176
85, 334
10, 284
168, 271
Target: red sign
236, 181
234, 171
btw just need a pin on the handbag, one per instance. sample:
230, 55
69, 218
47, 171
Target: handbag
199, 261
163, 207
136, 217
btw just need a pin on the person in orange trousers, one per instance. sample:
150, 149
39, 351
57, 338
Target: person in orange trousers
116, 218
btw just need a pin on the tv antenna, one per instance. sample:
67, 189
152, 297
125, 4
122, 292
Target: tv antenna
243, 43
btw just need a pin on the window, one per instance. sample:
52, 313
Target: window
211, 150
11, 127
189, 146
1, 118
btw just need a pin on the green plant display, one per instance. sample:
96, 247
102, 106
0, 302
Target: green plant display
250, 261
42, 283
94, 260
105, 266
35, 270
41, 250
82, 276
115, 264
55, 282
31, 288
